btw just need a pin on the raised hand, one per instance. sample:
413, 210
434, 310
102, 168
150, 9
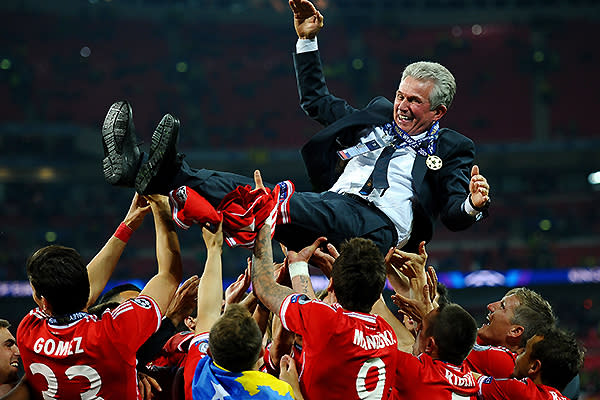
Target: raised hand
235, 292
479, 188
306, 253
184, 302
324, 261
307, 20
138, 209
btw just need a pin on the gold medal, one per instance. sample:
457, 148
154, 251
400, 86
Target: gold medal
433, 162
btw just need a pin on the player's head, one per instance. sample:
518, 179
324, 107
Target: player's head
121, 293
59, 280
554, 355
358, 275
423, 96
235, 340
515, 318
447, 333
9, 355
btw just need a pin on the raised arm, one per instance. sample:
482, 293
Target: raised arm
298, 268
315, 98
103, 264
210, 288
163, 285
269, 292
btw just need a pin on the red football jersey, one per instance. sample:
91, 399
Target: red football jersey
515, 389
269, 368
89, 357
345, 354
174, 352
495, 361
198, 349
425, 378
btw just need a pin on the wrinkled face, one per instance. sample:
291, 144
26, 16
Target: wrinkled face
498, 325
412, 110
9, 357
524, 360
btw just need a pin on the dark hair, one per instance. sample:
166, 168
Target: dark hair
454, 331
235, 340
112, 294
561, 356
533, 313
99, 309
358, 275
59, 274
443, 293
4, 324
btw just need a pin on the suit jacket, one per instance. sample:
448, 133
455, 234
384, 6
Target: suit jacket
438, 193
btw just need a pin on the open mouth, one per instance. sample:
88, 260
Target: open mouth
487, 320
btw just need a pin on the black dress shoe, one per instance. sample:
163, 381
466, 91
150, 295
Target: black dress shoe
154, 176
121, 152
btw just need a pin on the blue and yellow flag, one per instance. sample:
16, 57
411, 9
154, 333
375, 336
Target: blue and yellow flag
212, 382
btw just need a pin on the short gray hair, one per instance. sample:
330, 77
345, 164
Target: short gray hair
533, 313
444, 87
4, 324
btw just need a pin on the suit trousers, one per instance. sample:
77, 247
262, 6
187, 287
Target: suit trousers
337, 217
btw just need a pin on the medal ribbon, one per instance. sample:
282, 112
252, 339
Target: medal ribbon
407, 140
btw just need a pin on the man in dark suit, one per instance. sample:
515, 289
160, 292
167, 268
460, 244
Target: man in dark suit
384, 173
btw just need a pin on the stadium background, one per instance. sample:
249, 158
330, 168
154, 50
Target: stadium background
527, 75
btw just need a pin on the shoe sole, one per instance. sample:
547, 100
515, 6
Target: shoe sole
114, 130
163, 138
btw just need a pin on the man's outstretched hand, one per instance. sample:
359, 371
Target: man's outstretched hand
307, 20
479, 188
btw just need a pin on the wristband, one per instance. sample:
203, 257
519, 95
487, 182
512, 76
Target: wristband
298, 268
123, 232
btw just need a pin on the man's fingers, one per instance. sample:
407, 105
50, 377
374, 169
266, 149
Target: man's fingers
475, 170
388, 256
333, 251
316, 244
422, 250
189, 282
258, 180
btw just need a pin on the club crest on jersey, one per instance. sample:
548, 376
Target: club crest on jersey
488, 380
300, 298
203, 347
142, 302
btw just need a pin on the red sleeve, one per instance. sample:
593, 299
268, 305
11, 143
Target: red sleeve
301, 315
132, 323
498, 362
408, 370
499, 389
198, 350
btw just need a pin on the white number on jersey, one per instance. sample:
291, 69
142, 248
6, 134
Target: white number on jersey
361, 388
76, 370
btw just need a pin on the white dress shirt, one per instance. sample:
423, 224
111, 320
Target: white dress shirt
396, 201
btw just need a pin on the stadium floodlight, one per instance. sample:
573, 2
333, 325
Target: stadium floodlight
594, 178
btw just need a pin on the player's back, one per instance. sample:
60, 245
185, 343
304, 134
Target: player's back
87, 357
495, 361
424, 377
346, 355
